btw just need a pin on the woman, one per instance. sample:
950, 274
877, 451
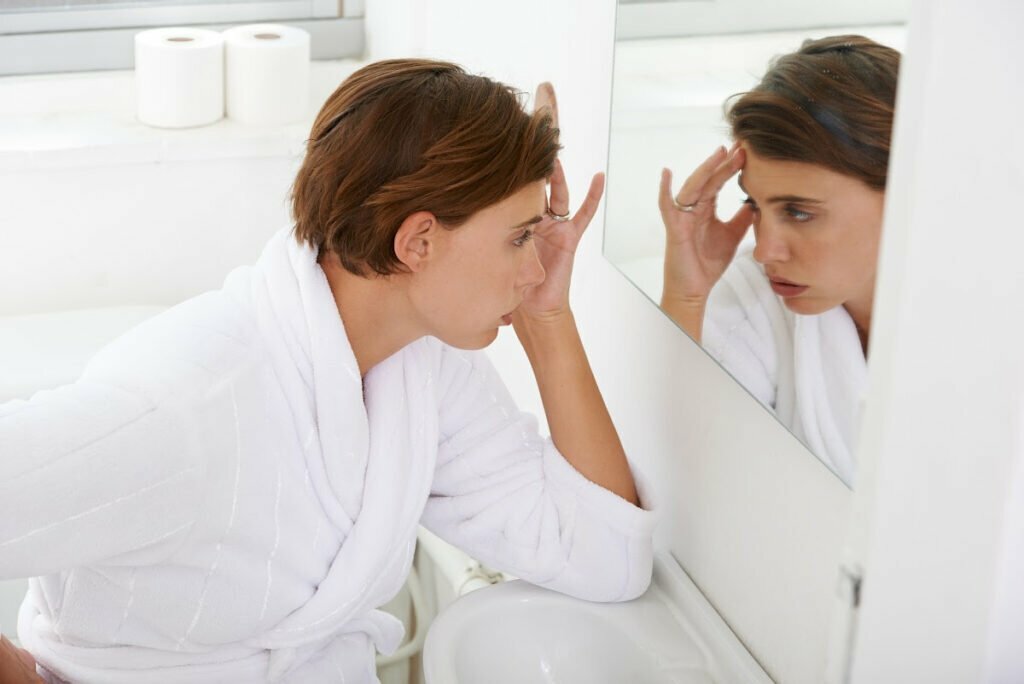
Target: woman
791, 319
233, 488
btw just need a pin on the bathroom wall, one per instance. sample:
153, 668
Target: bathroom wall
755, 520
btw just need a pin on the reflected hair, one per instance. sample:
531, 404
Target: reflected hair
830, 103
406, 135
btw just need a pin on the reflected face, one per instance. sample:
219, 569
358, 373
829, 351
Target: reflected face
479, 272
817, 233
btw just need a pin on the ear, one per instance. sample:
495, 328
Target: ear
416, 241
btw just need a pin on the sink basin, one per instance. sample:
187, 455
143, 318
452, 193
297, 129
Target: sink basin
516, 633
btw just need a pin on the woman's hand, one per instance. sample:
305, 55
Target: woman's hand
555, 240
17, 666
699, 246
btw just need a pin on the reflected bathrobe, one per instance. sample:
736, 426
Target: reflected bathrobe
810, 370
222, 498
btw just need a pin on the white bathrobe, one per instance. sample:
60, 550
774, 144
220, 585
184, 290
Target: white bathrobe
810, 370
218, 499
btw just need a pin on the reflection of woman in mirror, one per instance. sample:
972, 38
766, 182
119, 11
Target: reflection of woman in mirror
233, 489
791, 318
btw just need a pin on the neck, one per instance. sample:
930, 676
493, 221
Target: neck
860, 312
376, 313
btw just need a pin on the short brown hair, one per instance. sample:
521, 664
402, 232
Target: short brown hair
407, 135
830, 103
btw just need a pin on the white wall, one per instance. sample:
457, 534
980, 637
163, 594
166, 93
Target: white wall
940, 446
755, 520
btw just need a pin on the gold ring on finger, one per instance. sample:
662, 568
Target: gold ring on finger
559, 217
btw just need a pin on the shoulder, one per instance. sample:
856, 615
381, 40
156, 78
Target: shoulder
188, 347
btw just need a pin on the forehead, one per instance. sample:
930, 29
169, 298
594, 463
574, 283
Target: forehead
764, 177
522, 205
531, 198
765, 174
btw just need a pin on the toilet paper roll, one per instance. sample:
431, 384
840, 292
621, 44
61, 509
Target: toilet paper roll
179, 77
267, 74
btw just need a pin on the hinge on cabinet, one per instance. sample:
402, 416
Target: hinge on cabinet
844, 625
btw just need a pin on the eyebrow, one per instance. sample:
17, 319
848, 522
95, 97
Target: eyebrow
528, 222
797, 199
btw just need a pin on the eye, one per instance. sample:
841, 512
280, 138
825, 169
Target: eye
749, 200
524, 238
798, 215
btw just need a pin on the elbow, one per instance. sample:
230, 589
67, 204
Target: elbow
609, 580
639, 569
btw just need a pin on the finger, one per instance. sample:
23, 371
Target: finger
691, 190
559, 202
726, 170
665, 190
589, 207
545, 98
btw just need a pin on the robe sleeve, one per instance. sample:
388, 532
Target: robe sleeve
89, 472
507, 497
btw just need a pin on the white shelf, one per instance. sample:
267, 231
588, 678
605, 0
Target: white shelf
88, 119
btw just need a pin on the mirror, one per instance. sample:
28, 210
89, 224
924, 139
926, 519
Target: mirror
784, 309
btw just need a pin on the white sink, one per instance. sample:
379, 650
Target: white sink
516, 633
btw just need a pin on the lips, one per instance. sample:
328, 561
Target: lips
785, 288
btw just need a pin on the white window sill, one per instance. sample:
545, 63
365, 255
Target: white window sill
88, 119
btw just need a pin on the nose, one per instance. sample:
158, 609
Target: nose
531, 272
770, 245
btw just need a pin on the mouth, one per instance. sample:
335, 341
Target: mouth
786, 288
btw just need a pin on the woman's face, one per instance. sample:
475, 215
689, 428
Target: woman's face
817, 233
480, 271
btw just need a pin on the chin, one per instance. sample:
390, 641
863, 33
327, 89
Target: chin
471, 343
808, 307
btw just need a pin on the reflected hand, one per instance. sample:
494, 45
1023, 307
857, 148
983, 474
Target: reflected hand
17, 666
699, 246
556, 241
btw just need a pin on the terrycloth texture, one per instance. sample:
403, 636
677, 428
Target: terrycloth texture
809, 369
213, 501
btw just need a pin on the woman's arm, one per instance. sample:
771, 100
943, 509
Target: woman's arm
577, 417
17, 666
580, 425
510, 498
88, 472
